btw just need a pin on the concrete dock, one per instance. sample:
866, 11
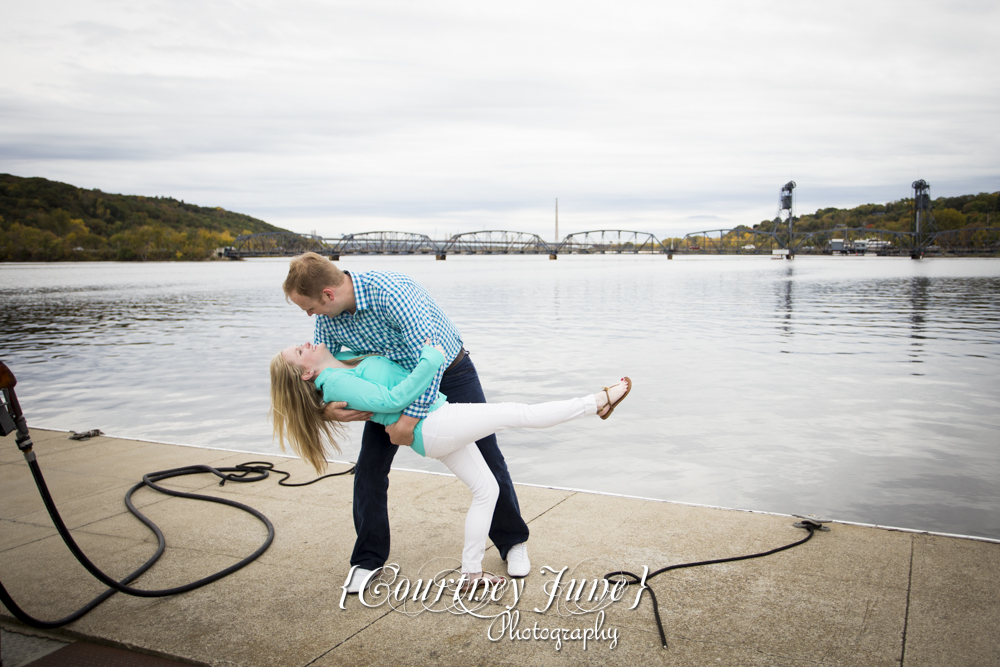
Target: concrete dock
852, 596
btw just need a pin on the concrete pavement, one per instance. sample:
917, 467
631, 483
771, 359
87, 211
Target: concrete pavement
854, 596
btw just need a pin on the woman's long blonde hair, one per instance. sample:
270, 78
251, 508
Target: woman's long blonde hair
297, 414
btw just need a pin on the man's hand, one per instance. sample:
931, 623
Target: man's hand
335, 412
401, 433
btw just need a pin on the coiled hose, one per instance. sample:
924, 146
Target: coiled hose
11, 418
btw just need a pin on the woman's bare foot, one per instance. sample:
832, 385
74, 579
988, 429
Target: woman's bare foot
610, 397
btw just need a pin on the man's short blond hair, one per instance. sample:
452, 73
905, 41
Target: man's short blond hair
309, 274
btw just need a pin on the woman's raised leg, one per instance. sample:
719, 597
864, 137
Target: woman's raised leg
455, 425
450, 433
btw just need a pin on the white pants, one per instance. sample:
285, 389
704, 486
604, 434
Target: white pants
450, 435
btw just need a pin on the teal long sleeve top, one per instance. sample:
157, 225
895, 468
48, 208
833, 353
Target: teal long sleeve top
384, 388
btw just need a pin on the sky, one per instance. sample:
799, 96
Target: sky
440, 117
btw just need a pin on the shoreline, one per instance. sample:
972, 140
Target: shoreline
291, 457
675, 255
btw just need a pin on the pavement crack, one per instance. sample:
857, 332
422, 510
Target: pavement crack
493, 546
54, 533
552, 508
347, 639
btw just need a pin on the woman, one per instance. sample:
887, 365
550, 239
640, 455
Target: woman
304, 377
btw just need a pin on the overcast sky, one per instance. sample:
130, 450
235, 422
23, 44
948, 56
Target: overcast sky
442, 117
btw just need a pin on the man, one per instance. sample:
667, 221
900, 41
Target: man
388, 313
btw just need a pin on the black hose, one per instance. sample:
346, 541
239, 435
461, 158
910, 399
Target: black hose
254, 466
631, 578
247, 472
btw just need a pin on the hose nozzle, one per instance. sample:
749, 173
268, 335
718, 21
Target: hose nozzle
11, 417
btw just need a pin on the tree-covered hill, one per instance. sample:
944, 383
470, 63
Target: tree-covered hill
43, 220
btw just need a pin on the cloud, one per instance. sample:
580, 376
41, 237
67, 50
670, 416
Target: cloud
313, 114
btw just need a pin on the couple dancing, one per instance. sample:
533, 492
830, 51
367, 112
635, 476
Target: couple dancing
408, 376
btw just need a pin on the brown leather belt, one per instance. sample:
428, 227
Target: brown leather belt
458, 357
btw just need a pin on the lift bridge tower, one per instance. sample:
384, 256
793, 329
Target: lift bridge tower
786, 205
923, 224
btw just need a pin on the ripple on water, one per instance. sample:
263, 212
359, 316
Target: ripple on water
865, 389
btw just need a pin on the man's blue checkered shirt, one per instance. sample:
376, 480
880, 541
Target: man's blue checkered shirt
394, 316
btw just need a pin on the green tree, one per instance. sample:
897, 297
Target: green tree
949, 218
26, 244
73, 223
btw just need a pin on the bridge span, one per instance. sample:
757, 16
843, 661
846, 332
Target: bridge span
739, 240
485, 242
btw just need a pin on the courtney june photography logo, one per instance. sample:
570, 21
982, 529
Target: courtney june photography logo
570, 608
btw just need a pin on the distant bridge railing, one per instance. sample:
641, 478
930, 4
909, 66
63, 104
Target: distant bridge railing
602, 241
496, 242
739, 240
383, 243
269, 244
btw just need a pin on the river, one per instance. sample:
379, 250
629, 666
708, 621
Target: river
860, 388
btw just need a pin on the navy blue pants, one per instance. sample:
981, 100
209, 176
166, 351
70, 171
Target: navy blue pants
371, 480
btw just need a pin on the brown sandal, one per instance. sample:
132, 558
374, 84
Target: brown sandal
611, 406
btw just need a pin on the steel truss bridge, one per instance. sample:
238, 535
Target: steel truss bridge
740, 240
602, 241
496, 242
382, 243
486, 242
272, 244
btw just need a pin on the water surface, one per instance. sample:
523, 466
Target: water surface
865, 389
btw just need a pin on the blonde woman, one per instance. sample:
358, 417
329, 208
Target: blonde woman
305, 377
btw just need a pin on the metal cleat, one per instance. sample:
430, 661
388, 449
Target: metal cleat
811, 521
86, 435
